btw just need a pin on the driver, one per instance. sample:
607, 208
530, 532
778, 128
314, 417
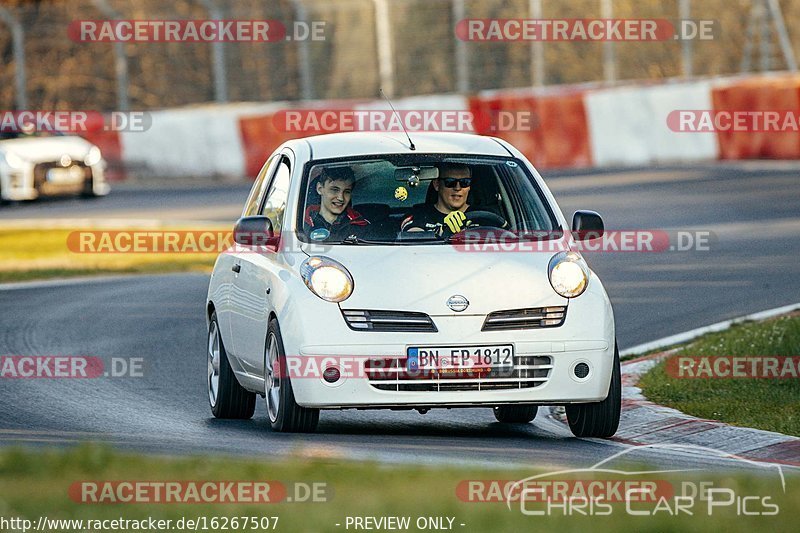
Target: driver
451, 210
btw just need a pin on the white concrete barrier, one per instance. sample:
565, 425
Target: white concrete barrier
628, 125
199, 141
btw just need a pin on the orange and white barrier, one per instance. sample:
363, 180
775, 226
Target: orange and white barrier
548, 127
762, 98
201, 141
557, 127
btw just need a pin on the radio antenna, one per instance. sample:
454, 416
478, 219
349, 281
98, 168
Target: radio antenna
399, 118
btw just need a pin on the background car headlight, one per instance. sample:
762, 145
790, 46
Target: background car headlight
327, 278
93, 157
568, 274
12, 159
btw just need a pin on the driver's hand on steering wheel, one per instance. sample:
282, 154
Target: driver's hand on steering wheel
455, 221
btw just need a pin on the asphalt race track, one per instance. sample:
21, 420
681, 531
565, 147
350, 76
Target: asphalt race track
752, 211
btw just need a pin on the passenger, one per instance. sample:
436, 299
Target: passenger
334, 219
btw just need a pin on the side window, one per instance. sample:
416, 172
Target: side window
277, 196
257, 192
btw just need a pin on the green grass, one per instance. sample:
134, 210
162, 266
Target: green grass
770, 404
35, 482
43, 253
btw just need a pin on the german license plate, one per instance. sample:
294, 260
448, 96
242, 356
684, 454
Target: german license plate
456, 358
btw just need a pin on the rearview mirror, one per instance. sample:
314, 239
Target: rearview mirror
255, 231
413, 175
587, 225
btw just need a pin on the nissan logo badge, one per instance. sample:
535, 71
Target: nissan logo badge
457, 303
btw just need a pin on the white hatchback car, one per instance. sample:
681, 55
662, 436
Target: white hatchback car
355, 284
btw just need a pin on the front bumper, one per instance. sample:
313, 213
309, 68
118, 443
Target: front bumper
587, 336
561, 387
29, 182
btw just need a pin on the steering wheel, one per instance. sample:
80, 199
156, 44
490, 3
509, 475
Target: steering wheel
485, 219
482, 225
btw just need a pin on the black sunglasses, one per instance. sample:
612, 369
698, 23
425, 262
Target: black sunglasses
451, 182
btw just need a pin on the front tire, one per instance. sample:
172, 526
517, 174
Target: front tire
515, 414
228, 399
285, 415
599, 419
88, 190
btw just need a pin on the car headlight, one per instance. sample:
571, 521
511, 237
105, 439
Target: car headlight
93, 157
13, 160
568, 274
327, 278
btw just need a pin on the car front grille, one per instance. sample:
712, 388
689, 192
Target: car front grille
532, 318
390, 374
388, 321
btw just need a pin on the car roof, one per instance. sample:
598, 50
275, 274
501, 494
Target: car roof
375, 143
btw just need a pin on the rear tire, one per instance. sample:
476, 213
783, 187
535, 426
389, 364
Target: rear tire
599, 419
228, 399
285, 415
515, 414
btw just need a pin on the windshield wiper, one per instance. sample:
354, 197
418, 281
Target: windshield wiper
352, 239
495, 234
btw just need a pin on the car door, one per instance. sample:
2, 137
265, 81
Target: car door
257, 272
224, 274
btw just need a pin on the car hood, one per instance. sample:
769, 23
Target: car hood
422, 278
41, 149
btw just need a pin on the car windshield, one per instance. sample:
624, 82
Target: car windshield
420, 199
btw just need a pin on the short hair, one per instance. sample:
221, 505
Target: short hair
444, 167
337, 174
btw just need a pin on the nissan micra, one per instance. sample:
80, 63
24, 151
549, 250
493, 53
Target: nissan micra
368, 271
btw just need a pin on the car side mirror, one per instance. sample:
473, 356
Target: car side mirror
587, 225
255, 231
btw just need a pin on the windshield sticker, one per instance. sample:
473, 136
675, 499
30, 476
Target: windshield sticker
320, 234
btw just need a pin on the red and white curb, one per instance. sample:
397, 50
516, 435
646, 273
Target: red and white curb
643, 422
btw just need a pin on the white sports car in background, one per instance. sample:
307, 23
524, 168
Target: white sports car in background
357, 310
46, 163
